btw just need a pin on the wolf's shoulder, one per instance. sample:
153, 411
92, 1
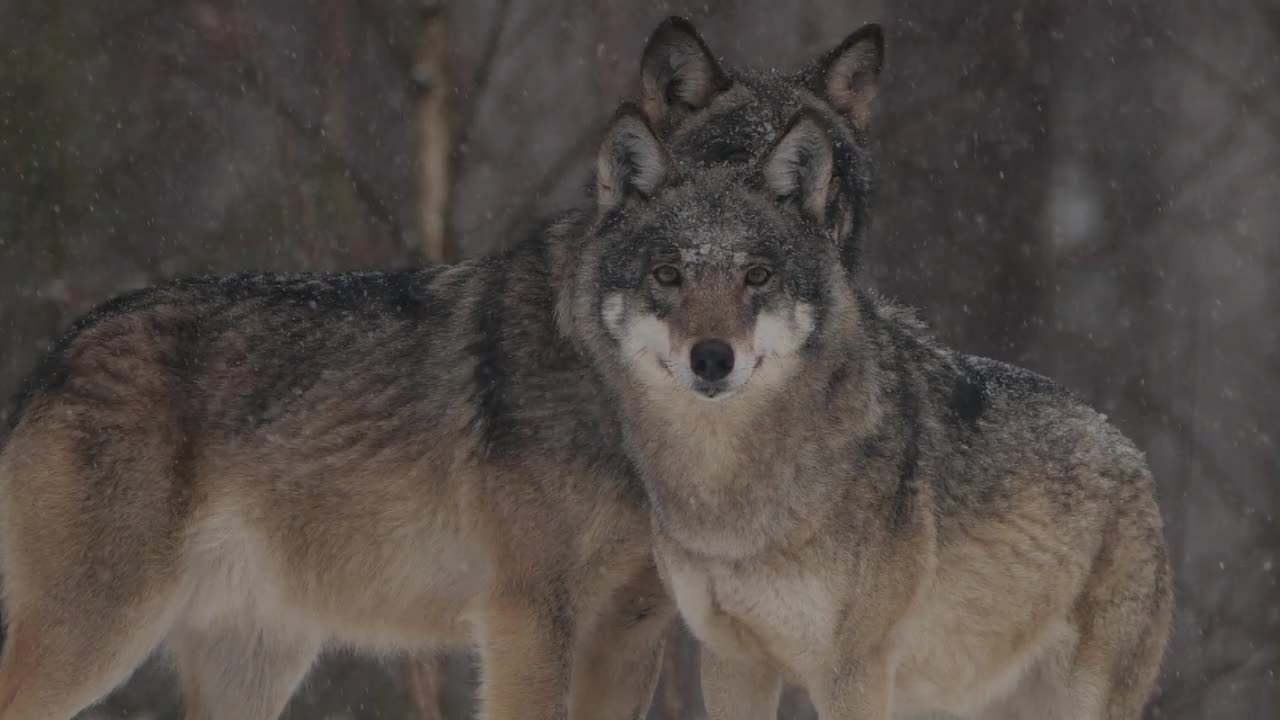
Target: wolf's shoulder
993, 420
973, 388
1053, 418
913, 338
1014, 383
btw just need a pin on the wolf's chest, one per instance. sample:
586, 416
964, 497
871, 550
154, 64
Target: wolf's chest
782, 613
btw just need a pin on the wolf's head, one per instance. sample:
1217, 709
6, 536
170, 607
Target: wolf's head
711, 280
710, 115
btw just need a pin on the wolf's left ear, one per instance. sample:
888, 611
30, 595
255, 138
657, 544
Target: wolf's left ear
801, 166
678, 74
631, 160
848, 76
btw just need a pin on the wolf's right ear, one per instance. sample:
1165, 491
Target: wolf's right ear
631, 159
801, 166
848, 76
678, 74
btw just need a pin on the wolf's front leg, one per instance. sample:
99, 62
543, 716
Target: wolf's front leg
857, 688
231, 670
739, 687
524, 661
618, 650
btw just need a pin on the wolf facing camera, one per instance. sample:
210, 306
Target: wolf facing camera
837, 499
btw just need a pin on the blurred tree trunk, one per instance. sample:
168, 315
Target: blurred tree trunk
426, 674
431, 114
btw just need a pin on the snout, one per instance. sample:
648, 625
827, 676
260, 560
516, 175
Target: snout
711, 360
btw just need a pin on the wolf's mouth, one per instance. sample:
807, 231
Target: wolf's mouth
714, 391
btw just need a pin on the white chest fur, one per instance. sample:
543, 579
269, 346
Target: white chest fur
779, 612
946, 658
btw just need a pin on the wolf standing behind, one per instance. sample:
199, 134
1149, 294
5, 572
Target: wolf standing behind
837, 499
243, 470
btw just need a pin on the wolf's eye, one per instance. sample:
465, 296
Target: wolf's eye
758, 276
666, 275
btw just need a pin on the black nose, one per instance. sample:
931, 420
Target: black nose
711, 360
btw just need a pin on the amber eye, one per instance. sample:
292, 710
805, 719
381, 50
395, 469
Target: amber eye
666, 275
758, 276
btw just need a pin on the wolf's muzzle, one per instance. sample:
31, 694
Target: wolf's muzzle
711, 360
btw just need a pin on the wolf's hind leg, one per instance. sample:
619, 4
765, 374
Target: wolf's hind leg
59, 660
1121, 619
618, 658
234, 672
1132, 685
1125, 613
858, 687
1119, 658
735, 688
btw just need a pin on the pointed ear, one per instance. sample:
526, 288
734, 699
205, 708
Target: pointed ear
631, 160
801, 166
848, 76
678, 74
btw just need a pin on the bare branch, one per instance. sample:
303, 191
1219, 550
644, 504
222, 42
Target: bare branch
315, 136
229, 37
523, 214
482, 76
1253, 101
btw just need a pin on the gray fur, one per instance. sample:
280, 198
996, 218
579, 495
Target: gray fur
244, 469
896, 526
733, 118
